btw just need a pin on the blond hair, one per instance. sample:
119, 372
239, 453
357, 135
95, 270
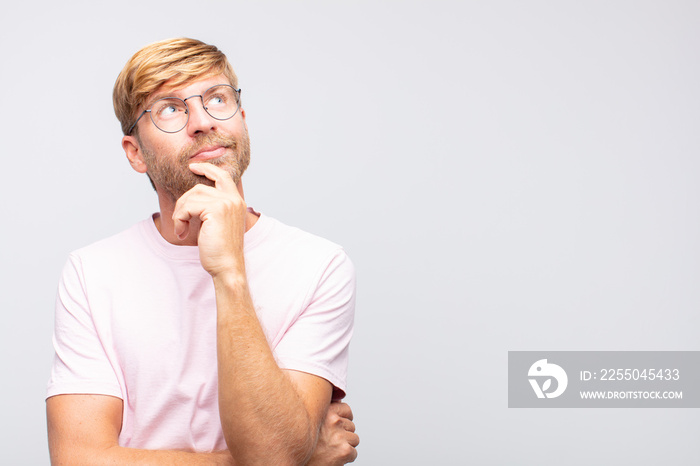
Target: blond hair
175, 62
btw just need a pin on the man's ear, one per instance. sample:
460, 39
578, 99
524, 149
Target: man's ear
132, 148
243, 118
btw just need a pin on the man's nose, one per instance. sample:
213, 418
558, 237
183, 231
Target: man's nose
199, 121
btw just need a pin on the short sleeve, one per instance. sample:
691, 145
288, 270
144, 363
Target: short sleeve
81, 365
318, 341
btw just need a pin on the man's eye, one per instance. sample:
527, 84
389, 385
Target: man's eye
216, 100
168, 111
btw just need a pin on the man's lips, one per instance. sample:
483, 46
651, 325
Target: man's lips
209, 152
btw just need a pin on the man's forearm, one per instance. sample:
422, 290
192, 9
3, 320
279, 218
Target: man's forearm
263, 417
83, 429
266, 417
136, 457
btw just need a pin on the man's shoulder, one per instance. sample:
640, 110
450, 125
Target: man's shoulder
292, 239
286, 251
114, 245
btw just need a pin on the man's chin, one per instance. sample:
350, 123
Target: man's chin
178, 191
194, 181
201, 179
177, 183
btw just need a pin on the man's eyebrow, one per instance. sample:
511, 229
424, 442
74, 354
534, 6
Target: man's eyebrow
157, 96
170, 94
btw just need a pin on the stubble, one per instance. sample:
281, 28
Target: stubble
172, 174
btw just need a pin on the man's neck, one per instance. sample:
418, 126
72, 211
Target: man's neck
164, 221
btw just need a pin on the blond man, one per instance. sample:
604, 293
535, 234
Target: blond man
208, 333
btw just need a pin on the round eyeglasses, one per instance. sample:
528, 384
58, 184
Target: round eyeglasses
171, 114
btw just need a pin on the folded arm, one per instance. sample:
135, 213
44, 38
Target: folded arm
84, 430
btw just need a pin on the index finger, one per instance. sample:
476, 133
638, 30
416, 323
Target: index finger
221, 178
341, 409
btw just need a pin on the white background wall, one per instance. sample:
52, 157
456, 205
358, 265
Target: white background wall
506, 175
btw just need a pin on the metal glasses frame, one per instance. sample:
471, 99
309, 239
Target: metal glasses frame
187, 109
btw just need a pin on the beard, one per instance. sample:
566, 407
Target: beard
173, 175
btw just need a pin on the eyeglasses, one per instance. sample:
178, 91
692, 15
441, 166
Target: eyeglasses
171, 114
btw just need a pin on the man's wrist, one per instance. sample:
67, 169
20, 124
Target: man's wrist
230, 279
232, 295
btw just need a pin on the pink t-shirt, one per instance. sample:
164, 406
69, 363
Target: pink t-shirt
136, 319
